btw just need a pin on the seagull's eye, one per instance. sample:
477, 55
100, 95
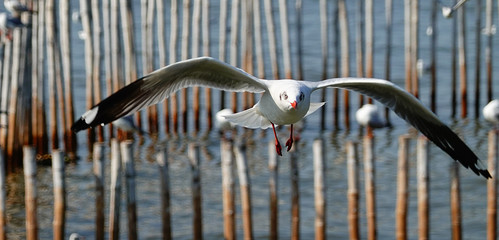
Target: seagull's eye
302, 96
284, 95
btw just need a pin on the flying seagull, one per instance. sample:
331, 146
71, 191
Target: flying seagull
283, 102
491, 112
368, 115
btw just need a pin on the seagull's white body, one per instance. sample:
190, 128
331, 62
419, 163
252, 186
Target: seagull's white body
368, 115
283, 101
491, 112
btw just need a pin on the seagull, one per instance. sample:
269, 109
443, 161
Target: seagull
15, 7
491, 112
368, 115
283, 102
448, 11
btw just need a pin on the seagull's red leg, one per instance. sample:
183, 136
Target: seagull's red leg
278, 148
289, 143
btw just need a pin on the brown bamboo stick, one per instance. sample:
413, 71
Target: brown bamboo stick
3, 199
185, 55
86, 23
423, 187
13, 123
359, 41
488, 47
388, 52
454, 66
433, 56
162, 161
455, 202
126, 148
229, 210
4, 98
197, 218
68, 112
324, 49
41, 121
369, 21
59, 194
147, 15
463, 80
402, 188
493, 156
196, 22
115, 191
108, 65
336, 64
478, 55
345, 56
245, 188
234, 43
173, 58
319, 189
247, 47
205, 22
162, 55
273, 197
295, 193
414, 46
29, 162
222, 42
353, 189
34, 79
407, 46
286, 50
369, 174
98, 169
96, 35
271, 33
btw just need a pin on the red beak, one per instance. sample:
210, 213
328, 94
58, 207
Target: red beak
293, 104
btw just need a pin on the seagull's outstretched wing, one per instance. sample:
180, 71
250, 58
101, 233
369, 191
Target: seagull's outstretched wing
409, 108
158, 85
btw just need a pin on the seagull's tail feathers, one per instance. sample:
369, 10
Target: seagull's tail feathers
249, 118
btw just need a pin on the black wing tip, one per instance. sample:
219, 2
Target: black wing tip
79, 125
484, 172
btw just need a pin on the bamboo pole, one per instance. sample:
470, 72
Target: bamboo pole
478, 55
222, 42
173, 58
273, 197
353, 189
197, 219
299, 41
86, 23
295, 193
229, 210
29, 162
488, 47
407, 46
286, 50
206, 52
196, 22
461, 39
184, 56
162, 55
423, 187
247, 47
359, 49
336, 64
271, 33
4, 100
402, 188
96, 81
320, 189
3, 199
414, 46
35, 83
13, 123
69, 136
126, 148
455, 202
369, 174
108, 59
164, 175
433, 56
388, 51
147, 10
257, 24
454, 66
245, 188
324, 49
493, 156
98, 169
43, 137
234, 43
115, 191
59, 194
345, 57
369, 39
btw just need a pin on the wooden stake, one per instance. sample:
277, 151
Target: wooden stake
320, 189
271, 33
345, 57
295, 193
324, 49
493, 156
402, 188
97, 36
455, 202
423, 188
128, 165
173, 58
461, 39
164, 175
369, 174
353, 189
115, 191
59, 194
273, 196
388, 53
245, 186
488, 48
229, 210
29, 162
433, 56
98, 161
185, 55
478, 55
197, 219
86, 23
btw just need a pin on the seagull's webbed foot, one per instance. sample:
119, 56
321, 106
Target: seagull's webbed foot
289, 143
278, 147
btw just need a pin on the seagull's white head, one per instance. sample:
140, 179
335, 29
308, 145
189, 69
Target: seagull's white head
292, 97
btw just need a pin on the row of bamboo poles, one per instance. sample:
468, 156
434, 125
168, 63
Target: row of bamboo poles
112, 23
234, 153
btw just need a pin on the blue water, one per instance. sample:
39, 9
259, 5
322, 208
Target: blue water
80, 180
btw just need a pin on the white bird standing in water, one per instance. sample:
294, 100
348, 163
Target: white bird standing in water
368, 115
283, 102
491, 112
16, 7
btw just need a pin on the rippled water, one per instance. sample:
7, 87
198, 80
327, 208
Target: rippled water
80, 180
